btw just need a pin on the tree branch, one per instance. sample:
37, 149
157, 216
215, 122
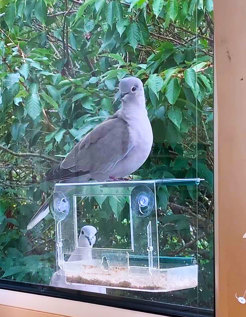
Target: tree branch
168, 38
62, 13
177, 209
188, 244
192, 33
41, 156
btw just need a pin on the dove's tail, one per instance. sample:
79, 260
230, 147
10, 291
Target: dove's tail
39, 215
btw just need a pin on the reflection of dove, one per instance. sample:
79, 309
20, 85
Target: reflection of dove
114, 149
87, 239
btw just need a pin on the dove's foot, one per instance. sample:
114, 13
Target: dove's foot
114, 179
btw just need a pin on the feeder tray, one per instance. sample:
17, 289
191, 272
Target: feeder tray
138, 266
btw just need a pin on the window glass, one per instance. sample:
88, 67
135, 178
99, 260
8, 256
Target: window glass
88, 200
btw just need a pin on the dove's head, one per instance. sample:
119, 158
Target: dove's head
87, 236
132, 91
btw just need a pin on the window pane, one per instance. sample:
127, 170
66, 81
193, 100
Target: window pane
118, 215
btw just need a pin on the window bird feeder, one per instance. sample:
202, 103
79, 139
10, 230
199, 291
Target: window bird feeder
126, 254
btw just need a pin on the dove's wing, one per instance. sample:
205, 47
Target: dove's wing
99, 150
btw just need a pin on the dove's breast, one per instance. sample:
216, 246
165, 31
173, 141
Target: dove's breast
141, 140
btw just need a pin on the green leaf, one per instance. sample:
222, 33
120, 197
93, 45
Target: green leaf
115, 73
117, 203
11, 79
93, 80
173, 90
172, 9
175, 115
40, 11
77, 134
100, 199
116, 57
34, 88
13, 270
190, 78
78, 96
121, 26
10, 13
110, 13
50, 100
9, 94
82, 8
178, 57
157, 6
155, 83
163, 196
33, 106
55, 93
72, 40
59, 135
209, 4
118, 11
199, 66
206, 82
207, 174
24, 70
200, 5
133, 34
99, 5
168, 75
18, 130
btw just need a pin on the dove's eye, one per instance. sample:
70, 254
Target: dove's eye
134, 88
82, 232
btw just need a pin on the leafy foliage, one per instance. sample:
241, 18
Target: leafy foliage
60, 64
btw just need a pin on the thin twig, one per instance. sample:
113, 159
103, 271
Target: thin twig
177, 209
22, 54
192, 33
188, 244
166, 38
42, 156
62, 13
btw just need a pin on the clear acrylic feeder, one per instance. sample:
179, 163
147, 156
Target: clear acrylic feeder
126, 253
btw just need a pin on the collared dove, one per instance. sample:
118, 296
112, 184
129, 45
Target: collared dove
87, 239
114, 149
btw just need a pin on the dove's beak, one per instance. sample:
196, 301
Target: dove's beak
123, 94
89, 240
120, 95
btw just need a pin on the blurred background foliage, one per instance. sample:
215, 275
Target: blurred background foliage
60, 64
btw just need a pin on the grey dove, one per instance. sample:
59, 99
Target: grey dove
87, 239
114, 149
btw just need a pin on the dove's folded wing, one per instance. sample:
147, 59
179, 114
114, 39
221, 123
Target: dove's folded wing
101, 149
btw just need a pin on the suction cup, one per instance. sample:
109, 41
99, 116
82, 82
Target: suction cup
59, 206
142, 201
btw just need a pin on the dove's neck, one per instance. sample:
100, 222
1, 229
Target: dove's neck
134, 109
